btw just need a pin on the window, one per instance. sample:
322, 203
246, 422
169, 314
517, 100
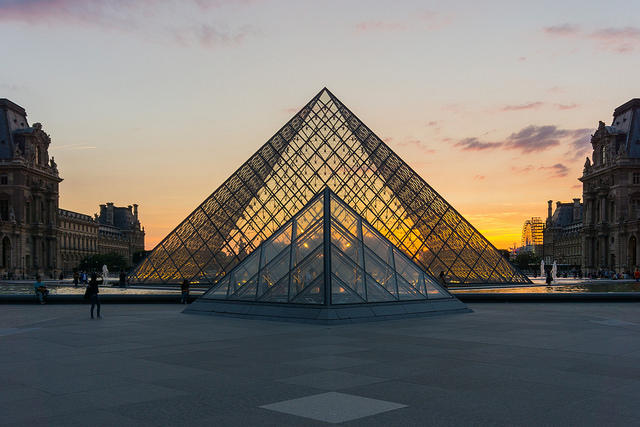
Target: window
604, 155
4, 180
4, 209
636, 178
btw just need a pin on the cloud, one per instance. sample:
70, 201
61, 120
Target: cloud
473, 144
556, 171
528, 106
613, 39
531, 139
566, 106
479, 177
145, 18
521, 169
563, 30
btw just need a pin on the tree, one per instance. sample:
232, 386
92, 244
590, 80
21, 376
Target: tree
113, 261
526, 259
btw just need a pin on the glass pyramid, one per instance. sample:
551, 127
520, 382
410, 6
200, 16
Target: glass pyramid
326, 254
324, 145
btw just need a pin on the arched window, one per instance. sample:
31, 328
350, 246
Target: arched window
604, 154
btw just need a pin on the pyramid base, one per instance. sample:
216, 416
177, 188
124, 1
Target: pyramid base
327, 315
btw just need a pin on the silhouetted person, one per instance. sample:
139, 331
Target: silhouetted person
40, 289
123, 279
76, 279
549, 278
92, 291
185, 292
442, 279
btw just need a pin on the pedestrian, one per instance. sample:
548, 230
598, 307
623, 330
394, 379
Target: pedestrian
636, 274
185, 292
92, 293
442, 279
76, 278
41, 290
123, 279
549, 277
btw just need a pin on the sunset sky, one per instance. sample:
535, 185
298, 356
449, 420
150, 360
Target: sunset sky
158, 102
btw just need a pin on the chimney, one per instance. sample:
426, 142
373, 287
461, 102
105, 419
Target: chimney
577, 210
549, 210
135, 210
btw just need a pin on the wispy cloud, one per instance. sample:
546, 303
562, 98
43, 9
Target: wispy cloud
535, 106
146, 18
563, 30
531, 139
556, 171
613, 39
519, 107
474, 144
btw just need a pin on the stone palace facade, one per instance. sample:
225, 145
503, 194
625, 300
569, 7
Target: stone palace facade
36, 236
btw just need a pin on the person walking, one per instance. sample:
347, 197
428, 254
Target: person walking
76, 279
636, 274
185, 292
123, 279
40, 290
92, 293
549, 277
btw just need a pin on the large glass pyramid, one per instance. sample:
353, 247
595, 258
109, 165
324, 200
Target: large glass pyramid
329, 258
325, 145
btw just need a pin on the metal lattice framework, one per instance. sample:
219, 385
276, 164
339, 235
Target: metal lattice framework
325, 145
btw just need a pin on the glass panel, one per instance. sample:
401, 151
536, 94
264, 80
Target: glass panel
247, 292
312, 294
346, 244
376, 244
276, 244
407, 270
407, 291
435, 291
307, 243
376, 293
273, 272
306, 273
380, 271
278, 292
219, 291
342, 294
344, 216
244, 271
309, 216
348, 272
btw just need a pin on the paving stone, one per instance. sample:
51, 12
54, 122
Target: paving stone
333, 407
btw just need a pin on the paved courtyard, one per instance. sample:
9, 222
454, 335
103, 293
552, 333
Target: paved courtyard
503, 364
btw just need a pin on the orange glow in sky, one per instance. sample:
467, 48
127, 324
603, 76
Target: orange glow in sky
157, 104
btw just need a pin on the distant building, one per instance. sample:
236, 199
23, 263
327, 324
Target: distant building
36, 237
563, 234
119, 231
78, 234
532, 236
28, 197
611, 193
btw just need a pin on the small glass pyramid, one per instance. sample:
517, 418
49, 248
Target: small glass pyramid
327, 255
